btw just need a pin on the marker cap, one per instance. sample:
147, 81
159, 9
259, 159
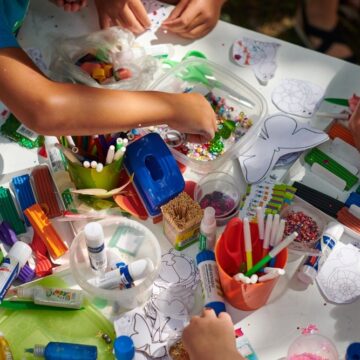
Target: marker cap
353, 352
124, 348
21, 252
94, 234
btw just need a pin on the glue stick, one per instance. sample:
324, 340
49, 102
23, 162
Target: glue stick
17, 257
94, 238
210, 282
208, 229
331, 235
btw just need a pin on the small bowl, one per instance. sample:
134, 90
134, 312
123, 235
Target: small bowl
220, 191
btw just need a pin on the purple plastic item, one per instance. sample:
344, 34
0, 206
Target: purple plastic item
26, 274
7, 234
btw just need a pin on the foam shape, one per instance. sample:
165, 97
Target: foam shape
280, 135
297, 97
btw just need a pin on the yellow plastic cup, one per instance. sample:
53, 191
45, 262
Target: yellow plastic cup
89, 178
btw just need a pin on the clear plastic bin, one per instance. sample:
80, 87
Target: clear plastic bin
132, 241
237, 93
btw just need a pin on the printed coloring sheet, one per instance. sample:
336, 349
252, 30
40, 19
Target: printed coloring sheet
297, 97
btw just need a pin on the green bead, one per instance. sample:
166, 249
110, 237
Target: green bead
225, 132
231, 125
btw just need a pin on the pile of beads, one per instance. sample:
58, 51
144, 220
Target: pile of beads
304, 225
222, 203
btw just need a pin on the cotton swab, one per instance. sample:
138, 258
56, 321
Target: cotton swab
260, 221
272, 253
267, 234
248, 246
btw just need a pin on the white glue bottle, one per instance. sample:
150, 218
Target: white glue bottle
64, 298
94, 238
207, 236
331, 235
210, 282
16, 258
125, 275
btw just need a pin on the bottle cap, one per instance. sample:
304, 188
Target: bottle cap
124, 348
94, 233
307, 274
205, 255
209, 216
21, 252
140, 268
353, 352
217, 306
334, 230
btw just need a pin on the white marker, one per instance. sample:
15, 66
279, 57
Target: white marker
93, 164
280, 232
268, 270
267, 234
269, 276
86, 164
260, 221
99, 167
254, 279
119, 153
274, 230
242, 278
110, 155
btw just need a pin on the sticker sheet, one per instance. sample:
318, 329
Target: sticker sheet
157, 12
297, 97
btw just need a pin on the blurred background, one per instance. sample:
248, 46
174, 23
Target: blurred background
277, 18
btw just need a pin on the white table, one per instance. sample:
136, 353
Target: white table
272, 328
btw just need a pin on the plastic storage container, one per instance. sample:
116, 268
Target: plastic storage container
130, 241
200, 75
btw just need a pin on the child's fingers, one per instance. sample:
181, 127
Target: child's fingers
105, 21
129, 21
177, 11
138, 9
197, 32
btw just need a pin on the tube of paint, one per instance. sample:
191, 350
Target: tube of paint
124, 276
331, 235
64, 298
94, 238
17, 257
5, 351
210, 283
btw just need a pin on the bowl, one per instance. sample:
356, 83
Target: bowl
220, 191
127, 240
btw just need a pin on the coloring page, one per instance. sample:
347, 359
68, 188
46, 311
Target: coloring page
339, 277
279, 135
260, 55
36, 56
157, 12
297, 97
4, 112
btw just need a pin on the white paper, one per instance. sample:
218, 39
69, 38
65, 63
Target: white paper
339, 277
297, 97
279, 135
260, 55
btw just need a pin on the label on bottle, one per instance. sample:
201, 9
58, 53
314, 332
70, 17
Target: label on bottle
97, 257
210, 282
9, 270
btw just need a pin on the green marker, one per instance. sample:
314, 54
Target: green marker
272, 253
341, 102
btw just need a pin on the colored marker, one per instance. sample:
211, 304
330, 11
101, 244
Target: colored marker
254, 279
280, 232
272, 253
341, 102
267, 234
248, 247
119, 153
99, 167
86, 164
110, 155
242, 278
260, 221
93, 164
70, 141
269, 276
268, 270
274, 230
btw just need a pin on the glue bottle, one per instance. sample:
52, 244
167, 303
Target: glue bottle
210, 282
353, 351
17, 257
124, 348
125, 275
5, 351
94, 238
331, 235
61, 351
207, 236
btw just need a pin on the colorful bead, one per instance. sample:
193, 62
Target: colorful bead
304, 225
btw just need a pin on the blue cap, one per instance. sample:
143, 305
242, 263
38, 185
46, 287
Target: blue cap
124, 348
217, 306
353, 352
205, 255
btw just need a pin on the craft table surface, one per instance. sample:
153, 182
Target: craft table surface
272, 328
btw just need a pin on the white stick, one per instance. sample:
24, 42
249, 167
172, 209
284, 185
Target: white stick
268, 276
260, 221
274, 230
110, 155
268, 225
280, 232
268, 270
242, 278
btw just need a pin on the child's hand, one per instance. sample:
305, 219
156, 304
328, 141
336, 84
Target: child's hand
130, 14
210, 337
70, 5
193, 18
354, 125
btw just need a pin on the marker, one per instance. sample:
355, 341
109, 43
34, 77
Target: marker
276, 250
248, 247
86, 164
280, 232
267, 234
242, 278
93, 164
268, 270
68, 154
274, 230
119, 153
269, 276
260, 221
254, 279
99, 167
110, 155
70, 141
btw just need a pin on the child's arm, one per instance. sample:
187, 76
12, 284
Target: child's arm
70, 5
130, 14
53, 108
193, 18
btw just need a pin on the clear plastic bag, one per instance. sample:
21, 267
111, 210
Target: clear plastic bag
113, 46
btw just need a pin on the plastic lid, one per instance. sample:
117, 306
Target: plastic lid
334, 230
94, 233
217, 306
140, 268
21, 252
209, 216
307, 274
205, 255
124, 348
353, 352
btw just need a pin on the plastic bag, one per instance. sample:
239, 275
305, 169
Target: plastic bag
115, 47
